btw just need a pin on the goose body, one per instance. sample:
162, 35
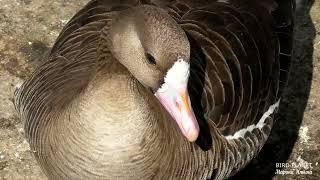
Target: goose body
98, 107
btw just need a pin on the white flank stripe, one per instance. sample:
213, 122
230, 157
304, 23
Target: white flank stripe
259, 125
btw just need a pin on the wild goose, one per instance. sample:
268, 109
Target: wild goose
130, 85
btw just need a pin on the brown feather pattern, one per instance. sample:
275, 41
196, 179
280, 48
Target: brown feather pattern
240, 57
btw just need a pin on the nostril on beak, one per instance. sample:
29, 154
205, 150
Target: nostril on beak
178, 103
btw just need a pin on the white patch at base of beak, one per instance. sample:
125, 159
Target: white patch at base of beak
177, 74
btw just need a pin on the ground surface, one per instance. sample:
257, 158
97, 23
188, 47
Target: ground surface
29, 27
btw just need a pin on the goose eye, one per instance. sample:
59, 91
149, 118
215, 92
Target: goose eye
151, 59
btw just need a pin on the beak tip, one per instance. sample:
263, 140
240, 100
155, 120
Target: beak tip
193, 135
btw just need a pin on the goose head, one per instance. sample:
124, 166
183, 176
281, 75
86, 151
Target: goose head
156, 51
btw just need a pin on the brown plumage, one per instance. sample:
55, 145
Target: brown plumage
89, 111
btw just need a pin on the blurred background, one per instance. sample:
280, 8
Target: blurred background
28, 29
